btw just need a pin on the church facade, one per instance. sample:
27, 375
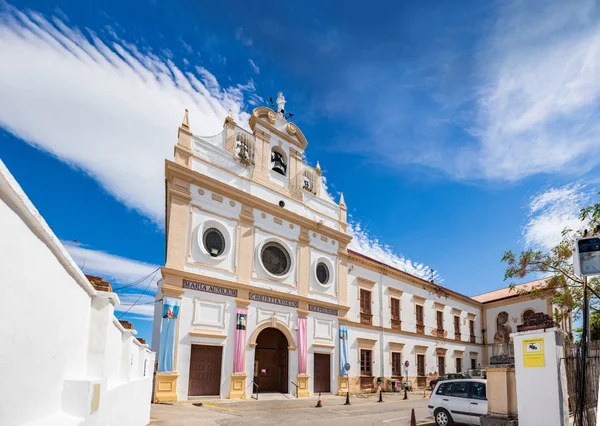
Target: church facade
259, 292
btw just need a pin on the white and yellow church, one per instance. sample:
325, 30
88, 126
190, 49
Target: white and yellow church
260, 293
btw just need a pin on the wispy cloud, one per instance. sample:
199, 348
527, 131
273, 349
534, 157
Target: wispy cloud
115, 269
538, 104
362, 242
106, 107
135, 282
253, 66
522, 100
551, 211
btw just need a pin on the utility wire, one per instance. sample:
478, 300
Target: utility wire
140, 296
136, 282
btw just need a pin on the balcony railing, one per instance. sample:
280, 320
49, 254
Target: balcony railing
457, 336
366, 318
421, 381
420, 329
472, 338
396, 324
439, 332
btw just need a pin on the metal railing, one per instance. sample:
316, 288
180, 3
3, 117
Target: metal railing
296, 388
257, 390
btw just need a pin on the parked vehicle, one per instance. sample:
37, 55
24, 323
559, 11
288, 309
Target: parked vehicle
477, 373
460, 401
448, 377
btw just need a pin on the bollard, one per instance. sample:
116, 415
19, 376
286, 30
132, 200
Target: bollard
319, 404
413, 420
380, 396
347, 398
405, 394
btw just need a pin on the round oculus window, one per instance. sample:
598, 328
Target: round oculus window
322, 273
214, 242
275, 259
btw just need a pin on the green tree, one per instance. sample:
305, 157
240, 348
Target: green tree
556, 266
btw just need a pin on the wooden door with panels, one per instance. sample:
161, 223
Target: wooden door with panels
205, 370
322, 368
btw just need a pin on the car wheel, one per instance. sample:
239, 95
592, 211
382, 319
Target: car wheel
442, 417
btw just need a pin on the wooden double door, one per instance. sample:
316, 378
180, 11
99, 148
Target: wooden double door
205, 370
271, 361
322, 373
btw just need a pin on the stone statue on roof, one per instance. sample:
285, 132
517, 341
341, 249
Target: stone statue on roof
280, 102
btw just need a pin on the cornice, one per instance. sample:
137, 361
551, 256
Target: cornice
173, 169
411, 334
378, 266
169, 271
516, 298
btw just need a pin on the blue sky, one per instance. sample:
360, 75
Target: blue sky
455, 129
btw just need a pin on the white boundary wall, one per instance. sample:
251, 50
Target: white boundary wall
66, 360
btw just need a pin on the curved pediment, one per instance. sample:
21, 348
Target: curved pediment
277, 124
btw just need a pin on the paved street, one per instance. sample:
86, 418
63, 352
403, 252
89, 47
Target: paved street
363, 411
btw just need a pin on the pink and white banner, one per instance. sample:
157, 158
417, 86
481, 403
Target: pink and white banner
302, 349
240, 340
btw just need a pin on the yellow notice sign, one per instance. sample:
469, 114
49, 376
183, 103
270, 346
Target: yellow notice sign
533, 353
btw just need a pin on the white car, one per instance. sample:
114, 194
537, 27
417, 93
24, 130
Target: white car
460, 401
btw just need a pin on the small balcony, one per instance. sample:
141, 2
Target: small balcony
439, 332
366, 318
420, 329
472, 338
457, 336
396, 324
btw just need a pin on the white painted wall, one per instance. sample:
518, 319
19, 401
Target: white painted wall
382, 316
60, 335
542, 386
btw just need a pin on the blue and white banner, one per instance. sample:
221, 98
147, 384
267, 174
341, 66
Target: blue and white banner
168, 328
344, 365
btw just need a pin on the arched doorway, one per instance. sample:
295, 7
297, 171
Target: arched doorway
271, 361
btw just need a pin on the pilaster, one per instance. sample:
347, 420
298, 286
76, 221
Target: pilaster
342, 275
178, 198
304, 262
246, 249
229, 126
295, 174
237, 389
302, 380
262, 155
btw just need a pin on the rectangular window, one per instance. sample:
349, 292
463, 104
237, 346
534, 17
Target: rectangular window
459, 365
395, 309
472, 328
440, 320
441, 365
396, 364
420, 365
419, 312
478, 390
365, 362
457, 325
473, 364
365, 301
458, 389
